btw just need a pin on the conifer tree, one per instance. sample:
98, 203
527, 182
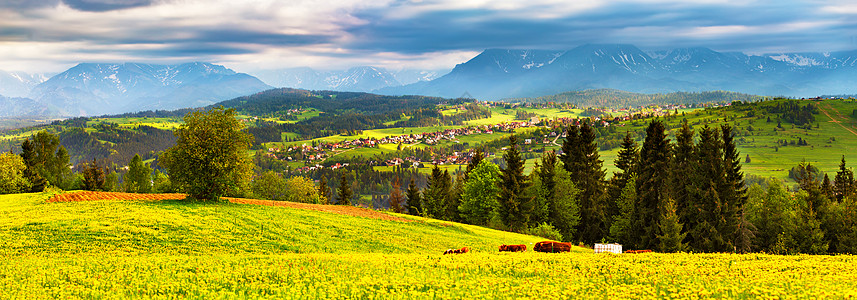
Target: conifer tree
844, 181
414, 200
569, 147
682, 174
453, 199
474, 161
622, 228
324, 191
396, 198
734, 193
343, 192
93, 176
514, 204
827, 187
543, 187
708, 208
670, 236
652, 183
626, 161
588, 176
564, 207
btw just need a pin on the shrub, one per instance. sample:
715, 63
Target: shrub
545, 230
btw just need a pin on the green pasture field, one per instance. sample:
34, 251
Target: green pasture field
160, 123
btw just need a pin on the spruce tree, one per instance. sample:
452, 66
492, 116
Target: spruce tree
544, 186
622, 228
588, 176
626, 161
569, 147
709, 209
453, 199
396, 198
670, 236
28, 153
93, 176
827, 187
513, 203
734, 193
474, 161
652, 183
324, 191
844, 181
682, 178
414, 200
343, 192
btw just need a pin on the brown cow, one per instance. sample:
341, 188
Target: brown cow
552, 247
513, 248
638, 251
456, 251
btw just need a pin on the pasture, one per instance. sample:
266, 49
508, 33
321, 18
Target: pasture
165, 249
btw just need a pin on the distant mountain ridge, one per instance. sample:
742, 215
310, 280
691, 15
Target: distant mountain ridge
94, 89
501, 73
19, 84
356, 79
621, 99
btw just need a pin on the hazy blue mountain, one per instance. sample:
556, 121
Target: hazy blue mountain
497, 74
19, 84
93, 89
356, 79
23, 107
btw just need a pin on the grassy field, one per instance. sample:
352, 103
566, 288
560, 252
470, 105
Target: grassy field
173, 249
160, 123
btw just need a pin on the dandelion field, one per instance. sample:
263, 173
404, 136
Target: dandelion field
416, 276
167, 249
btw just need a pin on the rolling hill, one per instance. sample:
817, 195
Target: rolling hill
30, 225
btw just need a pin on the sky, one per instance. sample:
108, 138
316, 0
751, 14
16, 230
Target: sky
253, 35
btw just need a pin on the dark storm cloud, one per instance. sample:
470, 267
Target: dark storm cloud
106, 5
645, 25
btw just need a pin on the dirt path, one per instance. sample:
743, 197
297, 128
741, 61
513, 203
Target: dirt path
336, 209
826, 108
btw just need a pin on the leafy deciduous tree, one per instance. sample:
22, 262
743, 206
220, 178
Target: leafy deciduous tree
210, 157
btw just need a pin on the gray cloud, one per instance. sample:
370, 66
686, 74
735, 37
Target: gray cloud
106, 5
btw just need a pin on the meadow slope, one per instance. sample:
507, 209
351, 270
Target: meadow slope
108, 249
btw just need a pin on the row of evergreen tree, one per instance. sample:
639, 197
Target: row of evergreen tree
668, 196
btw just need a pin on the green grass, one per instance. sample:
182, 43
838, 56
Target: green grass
160, 123
30, 226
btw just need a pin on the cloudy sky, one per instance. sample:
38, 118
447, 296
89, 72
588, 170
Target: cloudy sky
249, 35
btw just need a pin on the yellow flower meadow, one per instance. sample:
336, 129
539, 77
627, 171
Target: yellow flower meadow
410, 276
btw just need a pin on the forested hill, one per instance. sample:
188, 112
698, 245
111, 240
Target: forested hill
329, 101
611, 98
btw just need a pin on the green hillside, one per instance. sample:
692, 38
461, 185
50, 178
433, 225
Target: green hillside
29, 225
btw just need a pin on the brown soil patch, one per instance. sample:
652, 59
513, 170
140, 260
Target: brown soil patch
336, 209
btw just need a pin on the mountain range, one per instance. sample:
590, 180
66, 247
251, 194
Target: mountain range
95, 89
502, 73
356, 79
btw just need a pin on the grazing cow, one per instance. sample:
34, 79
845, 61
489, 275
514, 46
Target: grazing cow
513, 248
456, 251
552, 247
638, 251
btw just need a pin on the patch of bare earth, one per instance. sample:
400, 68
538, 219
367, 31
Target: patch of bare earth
336, 209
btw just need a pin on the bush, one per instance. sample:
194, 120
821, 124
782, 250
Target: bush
545, 230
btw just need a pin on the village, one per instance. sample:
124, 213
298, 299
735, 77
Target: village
314, 154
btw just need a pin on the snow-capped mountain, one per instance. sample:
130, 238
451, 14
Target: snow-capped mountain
19, 84
496, 73
356, 79
93, 89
